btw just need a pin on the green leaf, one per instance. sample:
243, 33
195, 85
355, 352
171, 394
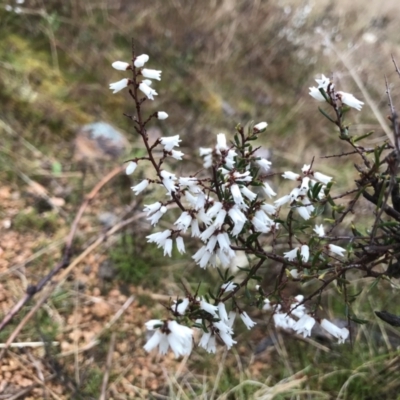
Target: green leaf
326, 115
374, 283
355, 139
358, 320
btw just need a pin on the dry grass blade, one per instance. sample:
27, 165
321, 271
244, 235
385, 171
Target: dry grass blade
103, 395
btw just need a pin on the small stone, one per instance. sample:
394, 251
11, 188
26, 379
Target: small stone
107, 271
101, 309
108, 219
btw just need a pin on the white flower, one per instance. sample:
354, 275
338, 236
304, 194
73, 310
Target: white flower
260, 226
268, 190
194, 225
339, 333
148, 91
322, 178
148, 82
305, 184
168, 180
304, 252
140, 187
243, 177
230, 158
304, 213
291, 175
264, 164
180, 339
294, 273
177, 154
221, 142
247, 320
319, 230
306, 169
231, 319
202, 256
237, 196
151, 74
283, 200
170, 334
225, 257
215, 209
298, 309
291, 255
207, 161
206, 234
224, 242
181, 307
208, 342
162, 115
337, 249
158, 339
350, 100
211, 243
183, 221
323, 83
180, 244
130, 168
283, 320
208, 307
267, 305
248, 193
152, 208
222, 312
191, 183
120, 65
159, 237
168, 247
225, 333
268, 208
261, 126
157, 215
228, 286
316, 94
304, 325
205, 151
170, 142
117, 86
220, 219
141, 60
238, 218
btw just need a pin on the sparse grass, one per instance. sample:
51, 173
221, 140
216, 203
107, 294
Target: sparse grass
32, 221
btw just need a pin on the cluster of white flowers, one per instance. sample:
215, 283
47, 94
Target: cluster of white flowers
145, 85
218, 211
180, 338
298, 320
16, 9
299, 199
325, 87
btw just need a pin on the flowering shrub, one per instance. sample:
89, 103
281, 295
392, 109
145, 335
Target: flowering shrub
229, 207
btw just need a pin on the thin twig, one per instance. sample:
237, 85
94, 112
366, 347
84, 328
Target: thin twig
395, 65
33, 289
103, 395
64, 274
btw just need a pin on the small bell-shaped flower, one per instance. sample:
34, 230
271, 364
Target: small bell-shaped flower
141, 60
151, 74
117, 86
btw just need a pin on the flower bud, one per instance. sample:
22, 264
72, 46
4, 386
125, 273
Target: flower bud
162, 115
121, 65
